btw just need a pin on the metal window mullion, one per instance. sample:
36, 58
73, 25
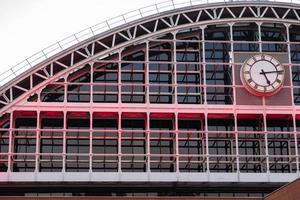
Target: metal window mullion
65, 89
64, 141
119, 77
204, 66
296, 143
174, 86
266, 144
236, 144
290, 63
39, 92
11, 98
203, 146
200, 88
176, 142
91, 83
91, 118
259, 36
91, 143
37, 139
119, 141
10, 141
147, 98
232, 61
292, 95
206, 141
148, 153
290, 155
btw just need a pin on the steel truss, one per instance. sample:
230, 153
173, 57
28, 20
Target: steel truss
138, 31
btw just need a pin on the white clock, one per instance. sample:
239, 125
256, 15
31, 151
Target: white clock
262, 75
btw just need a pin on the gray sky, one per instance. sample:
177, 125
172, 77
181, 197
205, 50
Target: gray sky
27, 26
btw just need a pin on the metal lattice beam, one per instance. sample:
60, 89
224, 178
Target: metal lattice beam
107, 43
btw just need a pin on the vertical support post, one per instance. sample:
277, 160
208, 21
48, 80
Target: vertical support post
91, 82
91, 117
266, 144
236, 144
119, 141
31, 83
296, 143
206, 141
64, 141
37, 140
39, 99
232, 66
174, 62
290, 66
147, 96
176, 141
65, 88
119, 77
205, 97
259, 36
200, 86
10, 142
204, 65
260, 50
91, 143
148, 153
290, 62
11, 98
231, 63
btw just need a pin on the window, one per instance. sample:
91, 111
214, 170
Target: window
105, 143
162, 144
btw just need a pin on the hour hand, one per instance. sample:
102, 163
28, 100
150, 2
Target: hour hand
264, 73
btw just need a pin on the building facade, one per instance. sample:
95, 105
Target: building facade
199, 100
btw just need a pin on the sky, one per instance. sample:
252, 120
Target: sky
28, 26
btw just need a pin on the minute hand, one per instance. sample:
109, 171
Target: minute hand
271, 72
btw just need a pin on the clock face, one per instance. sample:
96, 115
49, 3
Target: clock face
262, 75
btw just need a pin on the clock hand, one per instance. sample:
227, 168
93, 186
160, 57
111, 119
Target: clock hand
264, 73
270, 72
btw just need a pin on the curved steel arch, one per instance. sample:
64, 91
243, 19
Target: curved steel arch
139, 31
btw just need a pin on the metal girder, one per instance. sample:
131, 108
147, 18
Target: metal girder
138, 31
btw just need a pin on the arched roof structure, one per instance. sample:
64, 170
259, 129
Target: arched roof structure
138, 31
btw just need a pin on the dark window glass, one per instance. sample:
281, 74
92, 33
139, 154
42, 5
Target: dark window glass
138, 56
53, 93
245, 32
78, 93
281, 125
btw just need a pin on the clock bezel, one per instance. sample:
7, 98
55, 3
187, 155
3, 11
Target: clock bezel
252, 89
